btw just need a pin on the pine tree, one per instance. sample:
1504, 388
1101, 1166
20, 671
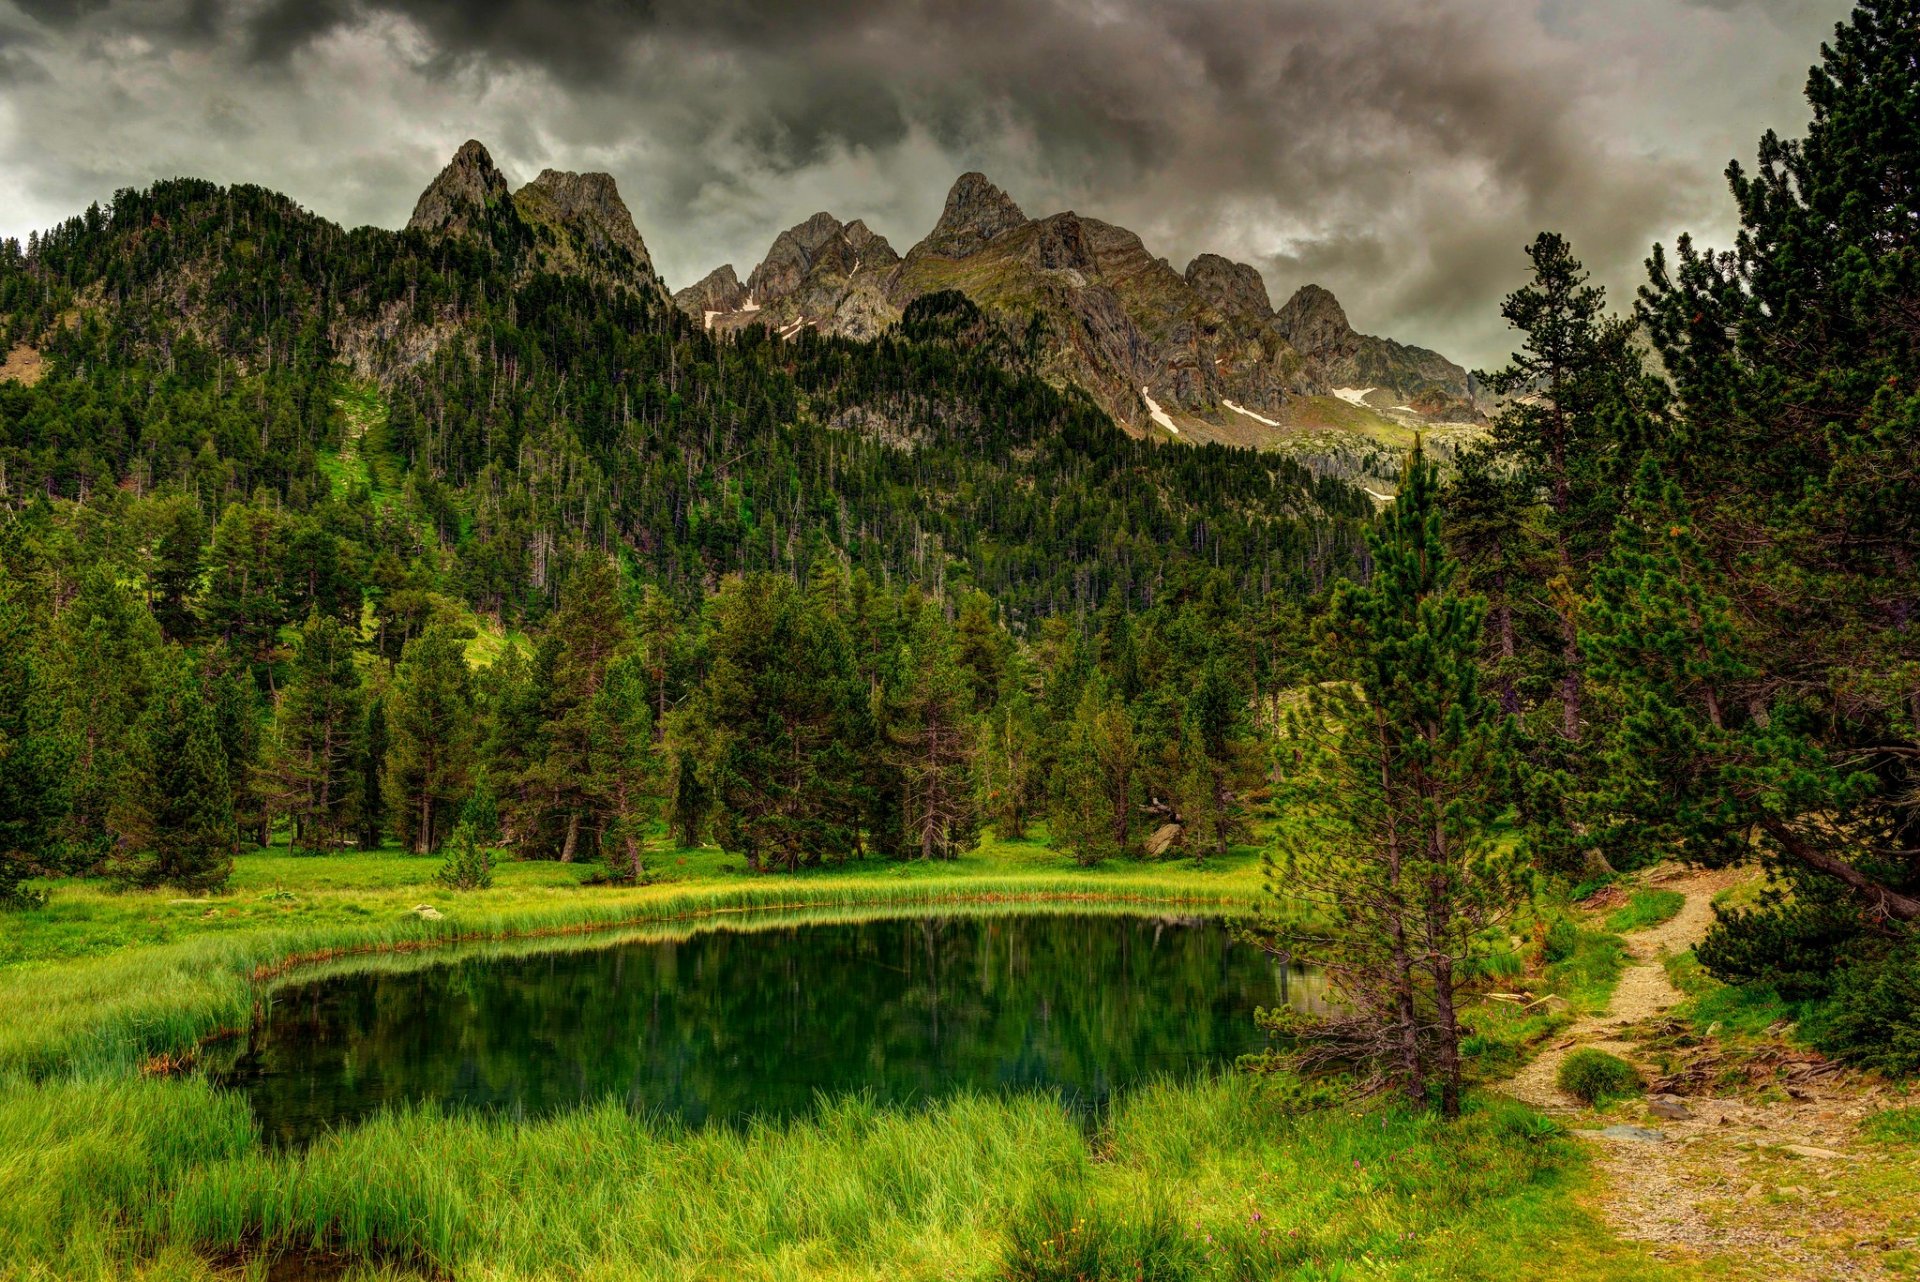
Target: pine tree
784, 705
93, 679
690, 800
177, 824
308, 772
430, 726
1799, 390
1580, 414
1386, 832
1094, 779
27, 796
930, 743
469, 865
562, 787
1008, 765
625, 788
245, 602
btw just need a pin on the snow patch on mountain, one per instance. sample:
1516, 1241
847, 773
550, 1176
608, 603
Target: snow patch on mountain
1258, 418
1158, 415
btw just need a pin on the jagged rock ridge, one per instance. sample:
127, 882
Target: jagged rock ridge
462, 194
576, 222
1205, 347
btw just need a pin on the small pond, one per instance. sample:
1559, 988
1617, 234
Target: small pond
725, 1023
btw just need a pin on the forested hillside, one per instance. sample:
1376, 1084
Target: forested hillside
208, 342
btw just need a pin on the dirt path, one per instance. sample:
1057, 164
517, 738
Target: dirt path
1762, 1183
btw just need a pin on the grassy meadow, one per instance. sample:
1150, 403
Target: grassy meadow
117, 1160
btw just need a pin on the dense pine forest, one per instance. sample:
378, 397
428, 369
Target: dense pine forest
342, 538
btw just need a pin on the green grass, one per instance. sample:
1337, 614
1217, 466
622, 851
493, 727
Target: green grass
363, 459
1214, 1176
1646, 908
106, 1173
1733, 1013
1578, 981
1895, 1126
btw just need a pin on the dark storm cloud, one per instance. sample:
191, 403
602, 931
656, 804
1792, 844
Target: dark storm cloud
1399, 151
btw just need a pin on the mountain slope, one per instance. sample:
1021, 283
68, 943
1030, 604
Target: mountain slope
537, 398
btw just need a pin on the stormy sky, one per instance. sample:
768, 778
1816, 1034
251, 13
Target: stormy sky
1399, 152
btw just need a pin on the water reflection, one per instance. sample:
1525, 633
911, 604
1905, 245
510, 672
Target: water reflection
727, 1024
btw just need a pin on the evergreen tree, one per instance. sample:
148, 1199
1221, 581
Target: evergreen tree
94, 678
308, 769
784, 706
469, 865
930, 743
625, 787
430, 727
1094, 779
690, 800
1386, 833
1578, 418
27, 795
245, 603
1008, 765
563, 787
1799, 389
177, 824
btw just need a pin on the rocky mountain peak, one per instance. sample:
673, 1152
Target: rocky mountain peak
1313, 320
863, 240
976, 212
1061, 244
1235, 288
790, 256
587, 205
464, 189
718, 292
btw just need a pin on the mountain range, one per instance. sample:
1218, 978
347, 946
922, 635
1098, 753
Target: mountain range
1200, 355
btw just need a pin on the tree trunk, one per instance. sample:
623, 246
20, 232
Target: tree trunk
1880, 897
423, 840
573, 838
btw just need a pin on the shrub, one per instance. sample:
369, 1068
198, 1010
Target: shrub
1873, 1017
468, 866
1596, 1077
1558, 940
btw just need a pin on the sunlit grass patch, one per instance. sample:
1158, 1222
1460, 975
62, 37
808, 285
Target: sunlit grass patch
1646, 908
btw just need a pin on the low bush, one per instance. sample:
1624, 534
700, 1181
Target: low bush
1596, 1077
1873, 1017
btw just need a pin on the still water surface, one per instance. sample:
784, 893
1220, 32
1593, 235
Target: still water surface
726, 1024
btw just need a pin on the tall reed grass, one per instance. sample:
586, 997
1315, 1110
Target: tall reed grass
1211, 1178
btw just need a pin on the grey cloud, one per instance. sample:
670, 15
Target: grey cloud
1399, 152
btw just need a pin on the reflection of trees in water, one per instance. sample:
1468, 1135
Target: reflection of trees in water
1304, 988
725, 1025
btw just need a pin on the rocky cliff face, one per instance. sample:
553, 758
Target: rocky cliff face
461, 196
1235, 288
1397, 375
714, 294
586, 213
576, 223
976, 214
821, 273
